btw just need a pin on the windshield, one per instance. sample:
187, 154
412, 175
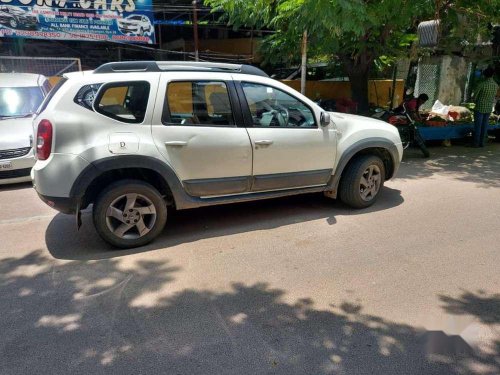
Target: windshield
135, 18
19, 101
17, 11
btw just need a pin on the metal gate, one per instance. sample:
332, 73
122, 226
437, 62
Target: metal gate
47, 66
428, 77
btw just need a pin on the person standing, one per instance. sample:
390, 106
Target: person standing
484, 97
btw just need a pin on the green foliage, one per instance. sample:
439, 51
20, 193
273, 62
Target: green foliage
340, 27
361, 33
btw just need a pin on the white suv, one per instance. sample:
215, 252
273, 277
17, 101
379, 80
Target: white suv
136, 24
137, 139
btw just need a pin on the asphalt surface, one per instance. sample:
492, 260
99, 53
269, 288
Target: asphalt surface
301, 285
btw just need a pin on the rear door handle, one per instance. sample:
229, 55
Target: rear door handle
264, 142
176, 144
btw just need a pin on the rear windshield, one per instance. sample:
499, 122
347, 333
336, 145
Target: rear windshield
49, 97
19, 101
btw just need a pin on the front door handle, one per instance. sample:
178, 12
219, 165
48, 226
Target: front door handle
264, 142
176, 144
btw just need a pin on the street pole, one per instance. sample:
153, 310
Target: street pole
394, 76
303, 74
195, 29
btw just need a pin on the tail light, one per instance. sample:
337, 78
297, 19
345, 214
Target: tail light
44, 140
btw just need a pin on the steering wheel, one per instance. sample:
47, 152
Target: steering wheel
283, 113
280, 114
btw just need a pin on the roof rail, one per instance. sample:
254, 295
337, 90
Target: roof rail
177, 66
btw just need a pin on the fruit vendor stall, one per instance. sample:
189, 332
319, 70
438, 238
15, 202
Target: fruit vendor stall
453, 131
455, 124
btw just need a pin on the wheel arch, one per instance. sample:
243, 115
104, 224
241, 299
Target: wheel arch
102, 172
386, 150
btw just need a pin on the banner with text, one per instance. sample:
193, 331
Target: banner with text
126, 21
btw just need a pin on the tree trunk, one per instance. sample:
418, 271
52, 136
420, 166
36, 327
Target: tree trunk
359, 88
358, 70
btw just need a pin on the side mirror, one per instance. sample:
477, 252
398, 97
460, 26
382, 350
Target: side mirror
325, 119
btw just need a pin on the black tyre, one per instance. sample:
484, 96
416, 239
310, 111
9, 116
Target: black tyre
419, 141
404, 133
129, 213
362, 182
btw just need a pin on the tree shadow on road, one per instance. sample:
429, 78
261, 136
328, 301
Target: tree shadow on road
187, 226
481, 166
481, 305
102, 317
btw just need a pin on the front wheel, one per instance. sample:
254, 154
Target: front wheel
129, 213
362, 181
419, 141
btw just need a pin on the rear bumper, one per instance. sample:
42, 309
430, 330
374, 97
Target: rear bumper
63, 205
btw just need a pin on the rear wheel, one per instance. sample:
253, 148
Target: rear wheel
129, 213
362, 181
404, 133
419, 141
13, 23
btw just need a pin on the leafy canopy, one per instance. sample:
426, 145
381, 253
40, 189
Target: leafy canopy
341, 27
356, 29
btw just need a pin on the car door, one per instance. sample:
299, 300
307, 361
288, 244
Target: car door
199, 130
290, 148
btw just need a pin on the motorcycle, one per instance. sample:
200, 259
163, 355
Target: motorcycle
408, 131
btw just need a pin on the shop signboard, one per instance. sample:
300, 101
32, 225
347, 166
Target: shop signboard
125, 21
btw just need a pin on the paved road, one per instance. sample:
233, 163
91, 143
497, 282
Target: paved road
291, 286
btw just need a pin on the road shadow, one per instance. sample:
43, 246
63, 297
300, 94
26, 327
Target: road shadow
64, 242
102, 318
485, 307
477, 165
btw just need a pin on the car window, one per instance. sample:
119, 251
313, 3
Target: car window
51, 94
86, 95
47, 86
125, 101
198, 103
19, 101
271, 107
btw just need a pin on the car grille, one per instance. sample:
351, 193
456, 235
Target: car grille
15, 173
14, 153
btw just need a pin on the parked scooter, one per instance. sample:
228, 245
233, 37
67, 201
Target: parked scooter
408, 131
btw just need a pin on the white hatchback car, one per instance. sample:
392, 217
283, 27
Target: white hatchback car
20, 96
136, 139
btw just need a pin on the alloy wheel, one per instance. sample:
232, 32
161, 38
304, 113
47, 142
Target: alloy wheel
131, 216
369, 185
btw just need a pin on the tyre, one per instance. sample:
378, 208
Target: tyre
404, 133
129, 213
141, 31
419, 141
362, 182
13, 23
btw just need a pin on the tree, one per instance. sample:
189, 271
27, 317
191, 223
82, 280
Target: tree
357, 32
